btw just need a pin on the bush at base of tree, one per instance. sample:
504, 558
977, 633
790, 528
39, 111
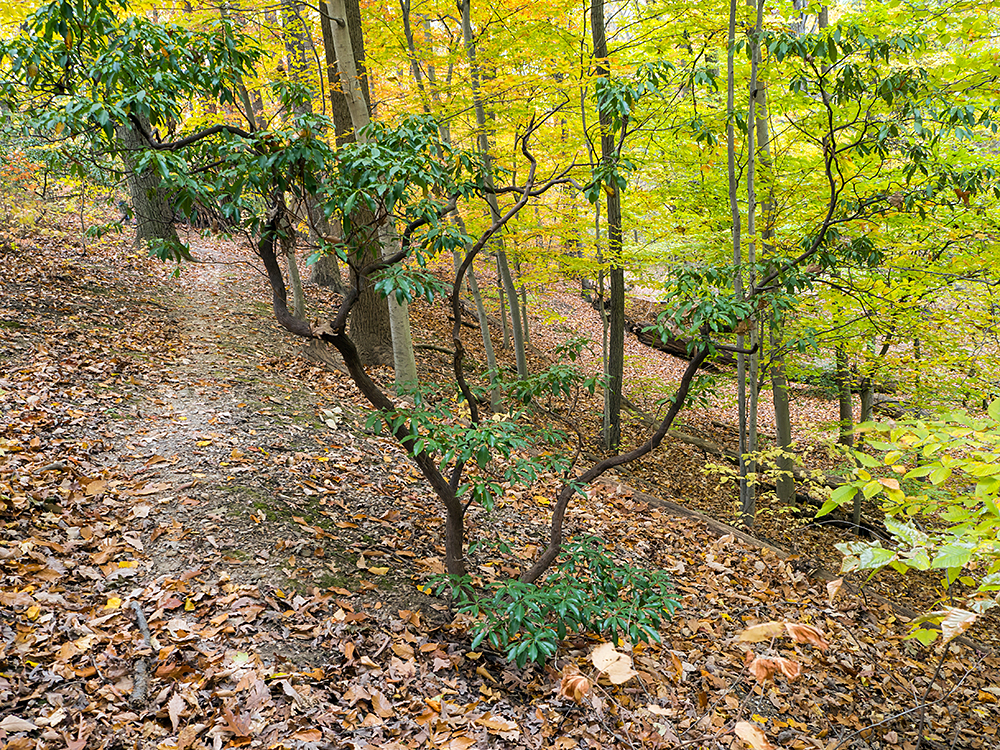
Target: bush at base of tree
588, 591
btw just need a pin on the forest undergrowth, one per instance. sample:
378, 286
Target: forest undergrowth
202, 547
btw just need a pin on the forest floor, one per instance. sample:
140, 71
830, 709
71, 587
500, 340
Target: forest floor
201, 546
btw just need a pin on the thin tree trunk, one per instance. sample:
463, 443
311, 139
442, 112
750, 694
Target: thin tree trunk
748, 487
734, 208
504, 319
483, 145
484, 324
298, 298
843, 379
367, 321
616, 323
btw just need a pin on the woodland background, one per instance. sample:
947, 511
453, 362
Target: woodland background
557, 252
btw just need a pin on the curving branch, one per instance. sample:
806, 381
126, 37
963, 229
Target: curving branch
548, 556
187, 140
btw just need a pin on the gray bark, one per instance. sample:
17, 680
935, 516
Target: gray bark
154, 216
843, 380
400, 341
482, 142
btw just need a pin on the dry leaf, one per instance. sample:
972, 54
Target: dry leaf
174, 708
382, 705
616, 665
764, 668
763, 632
574, 687
956, 622
832, 589
752, 735
807, 634
16, 724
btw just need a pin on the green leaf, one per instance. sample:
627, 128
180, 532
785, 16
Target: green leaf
871, 489
940, 474
994, 410
952, 556
873, 557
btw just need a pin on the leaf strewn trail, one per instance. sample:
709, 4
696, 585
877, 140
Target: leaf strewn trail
200, 547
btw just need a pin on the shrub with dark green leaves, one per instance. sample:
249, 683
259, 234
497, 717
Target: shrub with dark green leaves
587, 591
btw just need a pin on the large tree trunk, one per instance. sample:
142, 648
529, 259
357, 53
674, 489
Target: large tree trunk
154, 216
616, 322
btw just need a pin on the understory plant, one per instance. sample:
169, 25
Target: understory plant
588, 590
938, 482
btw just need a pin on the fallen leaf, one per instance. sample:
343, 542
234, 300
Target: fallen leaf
574, 687
174, 708
382, 705
807, 634
833, 588
616, 665
16, 724
763, 632
752, 735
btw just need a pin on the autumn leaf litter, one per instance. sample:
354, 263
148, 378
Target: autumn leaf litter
169, 463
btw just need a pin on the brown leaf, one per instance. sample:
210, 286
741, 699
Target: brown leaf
574, 687
188, 735
807, 634
382, 705
616, 665
174, 708
764, 668
238, 725
16, 724
752, 735
956, 622
833, 588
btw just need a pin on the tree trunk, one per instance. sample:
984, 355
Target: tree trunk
843, 379
371, 323
785, 482
616, 322
326, 270
482, 142
154, 216
298, 298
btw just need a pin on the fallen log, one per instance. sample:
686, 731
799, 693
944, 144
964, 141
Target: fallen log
672, 344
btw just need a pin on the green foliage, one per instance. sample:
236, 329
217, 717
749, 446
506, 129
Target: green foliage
588, 590
938, 482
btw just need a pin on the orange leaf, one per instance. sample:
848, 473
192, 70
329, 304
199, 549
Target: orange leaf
574, 687
807, 634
